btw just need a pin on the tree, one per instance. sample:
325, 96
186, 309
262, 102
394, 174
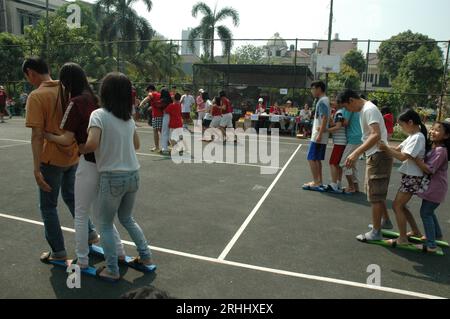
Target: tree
88, 19
209, 26
248, 54
120, 22
355, 59
12, 52
420, 73
392, 52
159, 62
348, 78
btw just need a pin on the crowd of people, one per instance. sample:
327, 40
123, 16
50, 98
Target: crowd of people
84, 146
360, 129
8, 105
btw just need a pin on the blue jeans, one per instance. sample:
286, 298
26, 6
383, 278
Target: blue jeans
117, 194
58, 178
430, 223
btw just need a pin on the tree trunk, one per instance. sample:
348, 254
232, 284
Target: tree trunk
212, 46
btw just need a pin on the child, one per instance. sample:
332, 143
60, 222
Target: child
156, 115
388, 120
436, 165
165, 101
216, 112
75, 123
340, 142
414, 147
176, 123
319, 139
113, 137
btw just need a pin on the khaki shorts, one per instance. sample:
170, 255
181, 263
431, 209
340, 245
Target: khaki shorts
378, 176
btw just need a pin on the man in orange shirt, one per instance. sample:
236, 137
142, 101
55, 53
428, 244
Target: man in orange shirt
54, 165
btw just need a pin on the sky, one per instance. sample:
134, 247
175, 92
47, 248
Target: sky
260, 19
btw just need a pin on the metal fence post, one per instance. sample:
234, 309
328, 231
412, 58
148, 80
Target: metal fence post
444, 83
367, 67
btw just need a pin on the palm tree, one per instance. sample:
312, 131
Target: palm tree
120, 22
160, 61
209, 26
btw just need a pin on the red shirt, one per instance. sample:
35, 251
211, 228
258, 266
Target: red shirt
2, 98
226, 102
76, 119
275, 110
174, 110
389, 121
155, 102
216, 110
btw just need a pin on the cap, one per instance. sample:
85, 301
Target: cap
261, 100
201, 91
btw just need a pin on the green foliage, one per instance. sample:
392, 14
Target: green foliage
248, 54
420, 72
392, 52
355, 59
12, 50
209, 26
348, 78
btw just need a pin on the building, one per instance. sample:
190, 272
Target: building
185, 48
338, 47
16, 14
375, 80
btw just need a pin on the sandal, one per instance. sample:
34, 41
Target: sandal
109, 278
394, 243
47, 258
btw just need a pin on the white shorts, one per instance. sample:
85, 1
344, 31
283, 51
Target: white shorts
349, 149
227, 120
216, 121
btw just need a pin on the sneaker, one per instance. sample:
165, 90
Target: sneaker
387, 225
155, 150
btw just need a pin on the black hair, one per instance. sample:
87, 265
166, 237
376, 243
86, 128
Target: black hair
411, 115
344, 97
222, 94
149, 292
205, 96
217, 100
166, 99
319, 84
36, 64
151, 87
446, 143
75, 81
115, 94
375, 102
386, 110
177, 97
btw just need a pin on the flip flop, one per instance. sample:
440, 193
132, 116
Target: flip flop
46, 258
319, 189
107, 279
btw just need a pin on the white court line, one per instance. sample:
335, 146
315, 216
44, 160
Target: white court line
11, 140
267, 140
212, 162
238, 234
12, 145
256, 268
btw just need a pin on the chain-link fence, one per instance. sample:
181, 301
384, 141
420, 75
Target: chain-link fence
275, 69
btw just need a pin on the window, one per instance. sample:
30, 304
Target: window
278, 53
27, 18
376, 79
371, 78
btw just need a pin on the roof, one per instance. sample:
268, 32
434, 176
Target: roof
257, 68
337, 47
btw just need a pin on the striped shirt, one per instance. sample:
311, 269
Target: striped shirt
339, 137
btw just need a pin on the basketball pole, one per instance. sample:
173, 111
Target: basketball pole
330, 30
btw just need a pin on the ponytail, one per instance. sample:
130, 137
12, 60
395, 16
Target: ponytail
411, 115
